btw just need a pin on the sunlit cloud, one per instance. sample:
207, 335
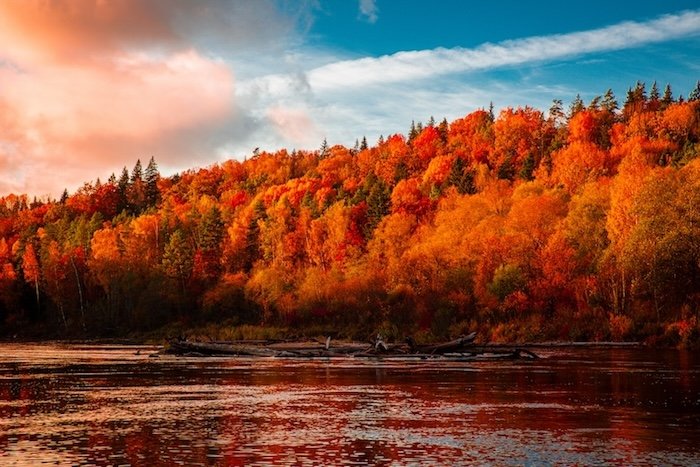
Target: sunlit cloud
89, 86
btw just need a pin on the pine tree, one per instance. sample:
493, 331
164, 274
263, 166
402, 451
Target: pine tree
576, 106
363, 144
654, 93
556, 112
695, 93
462, 178
412, 132
122, 190
178, 258
667, 99
136, 193
137, 172
323, 150
64, 196
443, 130
378, 204
151, 177
609, 102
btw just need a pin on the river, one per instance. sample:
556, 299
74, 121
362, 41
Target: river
115, 405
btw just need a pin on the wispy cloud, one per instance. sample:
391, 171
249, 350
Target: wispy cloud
413, 65
369, 10
344, 99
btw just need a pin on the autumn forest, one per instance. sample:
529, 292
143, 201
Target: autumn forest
576, 223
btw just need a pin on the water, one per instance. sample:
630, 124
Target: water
108, 405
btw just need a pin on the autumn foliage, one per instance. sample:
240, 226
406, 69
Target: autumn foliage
523, 226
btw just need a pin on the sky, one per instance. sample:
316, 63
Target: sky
89, 86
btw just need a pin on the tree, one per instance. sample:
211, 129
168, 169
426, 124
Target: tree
323, 150
31, 270
122, 190
667, 99
378, 204
151, 177
695, 93
178, 258
609, 102
462, 177
576, 106
136, 192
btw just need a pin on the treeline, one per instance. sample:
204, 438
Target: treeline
579, 223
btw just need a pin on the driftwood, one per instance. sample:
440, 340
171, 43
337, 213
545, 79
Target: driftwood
446, 347
462, 348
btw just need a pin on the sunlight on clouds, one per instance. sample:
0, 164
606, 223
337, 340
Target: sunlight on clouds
95, 85
294, 125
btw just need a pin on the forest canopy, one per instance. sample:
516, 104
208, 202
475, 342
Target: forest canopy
573, 224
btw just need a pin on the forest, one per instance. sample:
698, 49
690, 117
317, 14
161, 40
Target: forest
579, 223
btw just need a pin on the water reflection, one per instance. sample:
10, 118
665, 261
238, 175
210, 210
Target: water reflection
109, 406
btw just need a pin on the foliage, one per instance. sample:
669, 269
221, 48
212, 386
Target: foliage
576, 226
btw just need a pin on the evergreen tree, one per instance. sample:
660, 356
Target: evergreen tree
412, 132
378, 204
136, 193
556, 113
443, 130
461, 177
137, 172
363, 144
528, 167
654, 93
609, 102
64, 196
576, 106
695, 93
122, 190
667, 99
323, 150
151, 177
178, 258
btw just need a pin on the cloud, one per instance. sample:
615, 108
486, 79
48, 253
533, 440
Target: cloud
347, 99
87, 86
79, 30
294, 125
414, 65
369, 10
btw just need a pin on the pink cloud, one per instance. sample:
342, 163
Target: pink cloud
87, 86
294, 125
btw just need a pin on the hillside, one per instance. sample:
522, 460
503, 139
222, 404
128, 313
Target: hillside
580, 224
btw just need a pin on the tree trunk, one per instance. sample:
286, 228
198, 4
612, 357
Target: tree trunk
80, 293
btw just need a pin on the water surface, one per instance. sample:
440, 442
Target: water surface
113, 405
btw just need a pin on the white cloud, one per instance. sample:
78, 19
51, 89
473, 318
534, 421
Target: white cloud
369, 10
413, 65
346, 99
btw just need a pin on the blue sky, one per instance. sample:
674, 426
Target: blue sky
371, 67
86, 86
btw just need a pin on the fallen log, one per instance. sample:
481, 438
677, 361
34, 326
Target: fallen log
214, 349
460, 349
451, 346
